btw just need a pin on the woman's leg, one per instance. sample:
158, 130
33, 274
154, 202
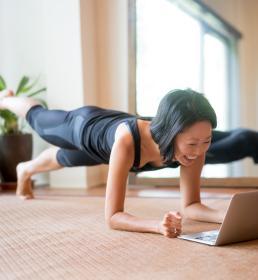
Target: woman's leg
229, 146
46, 161
51, 159
18, 105
57, 127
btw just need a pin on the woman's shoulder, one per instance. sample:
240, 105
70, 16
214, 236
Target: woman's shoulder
123, 147
123, 134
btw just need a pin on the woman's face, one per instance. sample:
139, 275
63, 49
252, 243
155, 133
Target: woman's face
192, 143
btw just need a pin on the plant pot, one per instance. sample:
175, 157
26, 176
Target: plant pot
13, 150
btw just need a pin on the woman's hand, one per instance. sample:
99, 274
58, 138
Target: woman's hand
171, 226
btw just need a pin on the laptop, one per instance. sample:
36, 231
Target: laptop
240, 223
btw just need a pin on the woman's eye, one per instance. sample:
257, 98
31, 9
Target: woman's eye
194, 144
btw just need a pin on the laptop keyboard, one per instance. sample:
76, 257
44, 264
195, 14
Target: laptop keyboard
211, 237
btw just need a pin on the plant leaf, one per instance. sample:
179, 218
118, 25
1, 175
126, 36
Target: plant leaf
37, 92
29, 87
7, 115
2, 83
23, 82
10, 122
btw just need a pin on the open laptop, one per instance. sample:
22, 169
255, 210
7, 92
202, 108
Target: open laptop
240, 222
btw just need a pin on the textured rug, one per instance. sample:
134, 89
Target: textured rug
65, 238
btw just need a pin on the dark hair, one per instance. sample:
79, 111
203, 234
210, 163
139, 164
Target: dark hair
178, 110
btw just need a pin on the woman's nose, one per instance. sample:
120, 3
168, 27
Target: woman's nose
199, 150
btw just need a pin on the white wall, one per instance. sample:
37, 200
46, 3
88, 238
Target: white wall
22, 48
79, 47
43, 38
64, 72
22, 39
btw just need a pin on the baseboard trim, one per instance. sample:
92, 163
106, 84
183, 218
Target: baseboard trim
205, 182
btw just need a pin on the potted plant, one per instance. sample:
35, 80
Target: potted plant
15, 143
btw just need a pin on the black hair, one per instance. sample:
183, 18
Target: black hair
178, 110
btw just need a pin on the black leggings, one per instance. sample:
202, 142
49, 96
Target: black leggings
64, 128
228, 146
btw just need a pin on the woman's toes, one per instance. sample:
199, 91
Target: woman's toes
24, 184
24, 191
6, 93
26, 197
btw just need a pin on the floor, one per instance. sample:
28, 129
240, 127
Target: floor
62, 235
66, 238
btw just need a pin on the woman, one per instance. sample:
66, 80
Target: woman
179, 135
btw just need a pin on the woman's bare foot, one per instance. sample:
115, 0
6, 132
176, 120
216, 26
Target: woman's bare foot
5, 93
24, 183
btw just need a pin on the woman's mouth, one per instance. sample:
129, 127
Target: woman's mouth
190, 157
187, 160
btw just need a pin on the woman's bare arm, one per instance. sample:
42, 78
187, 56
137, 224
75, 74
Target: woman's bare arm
190, 192
121, 160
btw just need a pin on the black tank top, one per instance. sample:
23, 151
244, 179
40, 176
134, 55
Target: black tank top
98, 135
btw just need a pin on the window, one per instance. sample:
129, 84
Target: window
179, 45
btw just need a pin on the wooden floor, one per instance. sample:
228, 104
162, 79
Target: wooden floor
141, 191
59, 237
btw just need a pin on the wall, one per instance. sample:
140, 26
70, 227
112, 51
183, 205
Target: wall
64, 72
105, 62
22, 49
112, 44
80, 50
104, 50
43, 38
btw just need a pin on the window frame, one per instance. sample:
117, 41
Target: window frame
222, 29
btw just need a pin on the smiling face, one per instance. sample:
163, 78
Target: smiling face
192, 143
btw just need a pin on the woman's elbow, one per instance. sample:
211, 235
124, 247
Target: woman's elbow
191, 211
186, 212
110, 222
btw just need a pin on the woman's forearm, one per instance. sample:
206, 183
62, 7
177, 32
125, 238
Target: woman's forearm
200, 212
127, 222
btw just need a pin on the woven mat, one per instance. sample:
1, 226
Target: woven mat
66, 238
